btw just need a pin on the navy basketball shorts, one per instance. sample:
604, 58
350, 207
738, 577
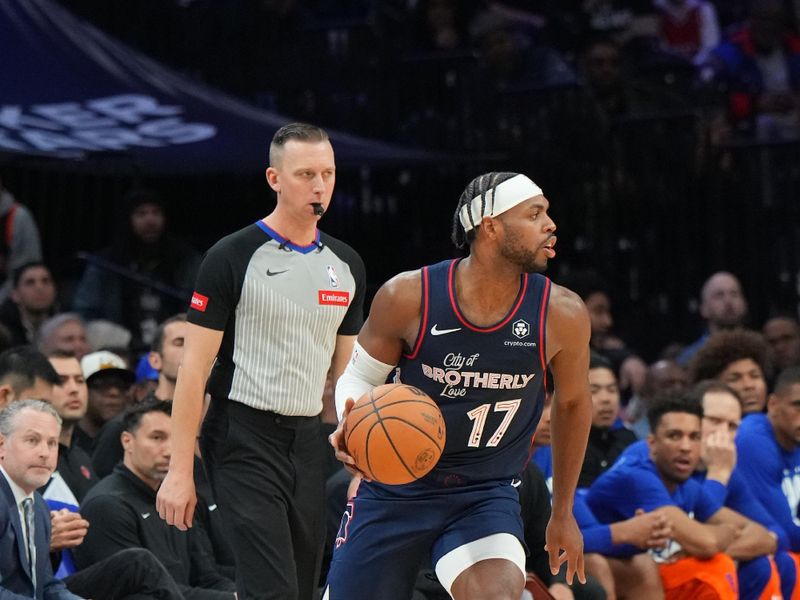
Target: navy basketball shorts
388, 533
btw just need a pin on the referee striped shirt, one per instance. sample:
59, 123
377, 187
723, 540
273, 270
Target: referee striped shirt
281, 307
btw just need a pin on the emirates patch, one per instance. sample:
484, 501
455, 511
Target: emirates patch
335, 298
199, 302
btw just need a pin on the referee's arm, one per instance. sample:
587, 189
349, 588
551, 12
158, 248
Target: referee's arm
176, 497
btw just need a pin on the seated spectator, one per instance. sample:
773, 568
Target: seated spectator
694, 562
24, 523
722, 306
739, 359
607, 438
628, 367
662, 376
722, 415
769, 455
73, 476
109, 380
70, 398
164, 358
25, 373
65, 332
759, 66
31, 302
717, 473
19, 242
129, 281
782, 333
122, 508
688, 28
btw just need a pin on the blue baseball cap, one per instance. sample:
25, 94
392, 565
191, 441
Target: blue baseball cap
144, 372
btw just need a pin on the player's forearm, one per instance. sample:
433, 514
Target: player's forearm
701, 540
706, 540
753, 541
570, 423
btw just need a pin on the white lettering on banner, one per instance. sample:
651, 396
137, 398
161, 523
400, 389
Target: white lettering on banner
790, 484
113, 123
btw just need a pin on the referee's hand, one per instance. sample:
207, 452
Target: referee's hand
177, 499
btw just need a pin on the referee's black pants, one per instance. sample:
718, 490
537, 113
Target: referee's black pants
267, 473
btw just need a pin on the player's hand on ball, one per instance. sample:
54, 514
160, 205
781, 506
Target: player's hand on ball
336, 440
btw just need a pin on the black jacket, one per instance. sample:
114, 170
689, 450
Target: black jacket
604, 447
121, 510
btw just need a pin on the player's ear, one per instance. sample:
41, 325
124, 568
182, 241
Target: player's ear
489, 227
772, 402
272, 179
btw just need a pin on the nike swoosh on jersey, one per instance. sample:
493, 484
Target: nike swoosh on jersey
271, 273
145, 515
436, 331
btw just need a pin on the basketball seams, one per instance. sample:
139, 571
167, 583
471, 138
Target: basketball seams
375, 409
415, 427
392, 444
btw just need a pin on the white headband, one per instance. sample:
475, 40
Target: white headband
505, 196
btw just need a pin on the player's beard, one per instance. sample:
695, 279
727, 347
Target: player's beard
515, 252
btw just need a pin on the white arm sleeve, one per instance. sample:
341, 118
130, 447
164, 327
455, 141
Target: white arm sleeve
362, 373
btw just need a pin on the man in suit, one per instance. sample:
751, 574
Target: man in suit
29, 432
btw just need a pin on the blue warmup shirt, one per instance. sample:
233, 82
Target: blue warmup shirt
633, 483
772, 473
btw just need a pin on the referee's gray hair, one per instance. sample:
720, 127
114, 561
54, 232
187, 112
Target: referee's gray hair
8, 416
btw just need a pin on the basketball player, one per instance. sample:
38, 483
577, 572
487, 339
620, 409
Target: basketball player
768, 449
476, 335
275, 304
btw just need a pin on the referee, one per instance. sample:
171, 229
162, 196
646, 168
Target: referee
275, 306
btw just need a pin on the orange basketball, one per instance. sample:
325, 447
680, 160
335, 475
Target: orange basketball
395, 433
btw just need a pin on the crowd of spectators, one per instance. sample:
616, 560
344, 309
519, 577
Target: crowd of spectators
458, 63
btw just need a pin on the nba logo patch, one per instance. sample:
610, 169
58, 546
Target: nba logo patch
332, 276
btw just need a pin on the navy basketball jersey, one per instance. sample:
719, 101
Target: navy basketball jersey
487, 381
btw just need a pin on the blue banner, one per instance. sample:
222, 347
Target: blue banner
71, 92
